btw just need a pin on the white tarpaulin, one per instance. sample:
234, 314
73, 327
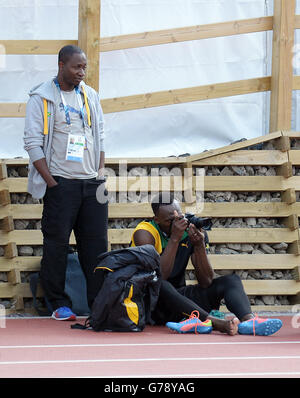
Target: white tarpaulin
159, 131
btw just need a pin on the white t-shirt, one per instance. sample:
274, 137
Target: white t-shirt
59, 166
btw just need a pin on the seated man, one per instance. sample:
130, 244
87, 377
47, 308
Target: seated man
177, 242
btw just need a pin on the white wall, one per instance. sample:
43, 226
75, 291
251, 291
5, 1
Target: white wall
160, 131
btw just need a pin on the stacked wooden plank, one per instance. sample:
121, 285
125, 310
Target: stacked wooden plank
15, 265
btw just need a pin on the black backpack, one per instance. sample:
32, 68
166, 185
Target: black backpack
129, 292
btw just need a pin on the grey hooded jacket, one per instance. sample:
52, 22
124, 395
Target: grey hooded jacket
38, 145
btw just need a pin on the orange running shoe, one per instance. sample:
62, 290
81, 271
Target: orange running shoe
191, 325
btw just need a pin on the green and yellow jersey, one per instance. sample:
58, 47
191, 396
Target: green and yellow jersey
184, 251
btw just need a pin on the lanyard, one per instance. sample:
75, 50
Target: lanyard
66, 109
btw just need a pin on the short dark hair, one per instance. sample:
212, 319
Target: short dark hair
66, 52
162, 199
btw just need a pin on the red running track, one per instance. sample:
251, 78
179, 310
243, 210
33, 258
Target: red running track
44, 348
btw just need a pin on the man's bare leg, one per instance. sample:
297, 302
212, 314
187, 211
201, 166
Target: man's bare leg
227, 325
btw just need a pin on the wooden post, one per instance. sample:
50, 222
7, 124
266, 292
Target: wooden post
289, 196
89, 38
7, 223
282, 68
3, 171
10, 250
4, 197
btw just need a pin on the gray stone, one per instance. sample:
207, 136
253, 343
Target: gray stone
267, 248
25, 251
268, 300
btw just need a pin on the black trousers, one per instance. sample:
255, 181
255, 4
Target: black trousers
175, 304
72, 205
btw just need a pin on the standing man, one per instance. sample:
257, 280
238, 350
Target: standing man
64, 139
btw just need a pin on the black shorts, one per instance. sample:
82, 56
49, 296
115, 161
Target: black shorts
176, 304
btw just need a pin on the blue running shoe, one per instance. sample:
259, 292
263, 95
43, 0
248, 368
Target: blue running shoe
260, 326
64, 314
191, 325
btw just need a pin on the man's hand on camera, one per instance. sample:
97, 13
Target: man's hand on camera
179, 225
196, 236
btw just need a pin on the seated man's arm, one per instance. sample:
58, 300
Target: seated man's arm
167, 258
203, 269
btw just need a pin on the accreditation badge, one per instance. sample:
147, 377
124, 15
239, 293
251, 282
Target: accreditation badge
75, 148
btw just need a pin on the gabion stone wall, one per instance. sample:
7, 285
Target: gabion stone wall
209, 197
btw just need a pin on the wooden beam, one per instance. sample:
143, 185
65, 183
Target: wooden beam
179, 96
176, 183
35, 47
197, 32
143, 210
271, 287
9, 290
251, 183
218, 262
294, 157
24, 263
252, 261
16, 161
268, 287
282, 69
12, 109
282, 209
246, 158
186, 34
160, 98
291, 133
233, 154
21, 212
234, 147
89, 38
216, 235
252, 287
170, 160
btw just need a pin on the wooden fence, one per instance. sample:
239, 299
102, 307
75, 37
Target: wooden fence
287, 209
281, 83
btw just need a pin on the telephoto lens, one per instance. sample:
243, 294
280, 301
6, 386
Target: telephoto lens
200, 223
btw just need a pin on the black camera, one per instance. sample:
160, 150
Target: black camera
204, 223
